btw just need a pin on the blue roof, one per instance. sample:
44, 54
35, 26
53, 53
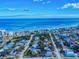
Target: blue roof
34, 45
10, 45
49, 53
34, 50
13, 52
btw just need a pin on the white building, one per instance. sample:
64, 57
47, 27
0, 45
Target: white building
3, 33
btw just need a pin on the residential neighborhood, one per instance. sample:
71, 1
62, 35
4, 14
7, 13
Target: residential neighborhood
57, 43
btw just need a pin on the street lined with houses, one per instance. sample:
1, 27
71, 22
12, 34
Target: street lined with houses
26, 47
40, 44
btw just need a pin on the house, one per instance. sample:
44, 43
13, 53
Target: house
13, 52
1, 50
8, 46
48, 54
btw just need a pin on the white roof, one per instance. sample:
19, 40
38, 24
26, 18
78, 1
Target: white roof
1, 50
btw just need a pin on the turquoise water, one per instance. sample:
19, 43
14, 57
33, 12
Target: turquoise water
34, 24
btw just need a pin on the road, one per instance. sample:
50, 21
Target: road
22, 53
57, 52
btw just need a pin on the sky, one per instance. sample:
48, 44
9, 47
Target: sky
39, 8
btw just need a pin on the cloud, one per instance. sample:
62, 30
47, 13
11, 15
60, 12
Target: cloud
68, 5
21, 10
47, 2
43, 1
11, 9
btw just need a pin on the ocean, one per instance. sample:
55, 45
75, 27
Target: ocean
36, 23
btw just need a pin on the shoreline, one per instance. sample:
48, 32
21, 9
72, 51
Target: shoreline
16, 25
38, 29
